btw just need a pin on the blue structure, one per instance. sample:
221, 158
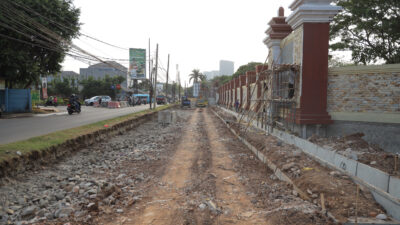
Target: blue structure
143, 96
16, 100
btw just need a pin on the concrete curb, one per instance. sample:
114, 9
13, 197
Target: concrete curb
385, 188
278, 172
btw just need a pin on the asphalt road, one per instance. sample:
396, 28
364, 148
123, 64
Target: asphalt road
17, 129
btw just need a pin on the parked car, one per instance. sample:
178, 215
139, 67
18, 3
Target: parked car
161, 100
94, 99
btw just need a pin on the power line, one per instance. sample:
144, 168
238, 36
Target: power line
61, 25
57, 38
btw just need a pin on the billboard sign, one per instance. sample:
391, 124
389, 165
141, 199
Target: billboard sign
137, 63
196, 89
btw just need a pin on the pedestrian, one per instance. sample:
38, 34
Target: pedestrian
55, 100
237, 105
100, 101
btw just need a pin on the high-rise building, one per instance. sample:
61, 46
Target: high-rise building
226, 67
211, 74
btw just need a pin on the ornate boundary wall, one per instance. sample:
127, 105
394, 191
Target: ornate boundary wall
332, 102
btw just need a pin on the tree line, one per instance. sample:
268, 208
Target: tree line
85, 88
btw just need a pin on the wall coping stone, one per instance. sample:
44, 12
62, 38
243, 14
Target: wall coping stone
372, 69
366, 117
311, 11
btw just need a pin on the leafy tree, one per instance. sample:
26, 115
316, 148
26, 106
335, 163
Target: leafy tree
220, 80
251, 66
26, 51
63, 88
144, 85
369, 28
92, 87
196, 76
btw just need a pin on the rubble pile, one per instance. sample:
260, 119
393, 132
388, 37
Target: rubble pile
330, 190
355, 147
97, 179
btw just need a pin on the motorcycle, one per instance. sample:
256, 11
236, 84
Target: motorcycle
71, 108
50, 103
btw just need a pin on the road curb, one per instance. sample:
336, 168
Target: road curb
282, 176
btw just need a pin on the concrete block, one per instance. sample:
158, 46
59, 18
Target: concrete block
325, 155
346, 164
164, 117
373, 176
261, 157
174, 117
282, 176
394, 186
392, 207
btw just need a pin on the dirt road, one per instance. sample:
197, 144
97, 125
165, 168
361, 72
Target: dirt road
213, 179
193, 171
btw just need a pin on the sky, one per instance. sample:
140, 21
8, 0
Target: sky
196, 34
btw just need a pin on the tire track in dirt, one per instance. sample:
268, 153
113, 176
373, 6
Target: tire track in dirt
202, 185
165, 207
231, 198
175, 199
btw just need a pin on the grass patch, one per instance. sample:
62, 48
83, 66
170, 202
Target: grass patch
9, 150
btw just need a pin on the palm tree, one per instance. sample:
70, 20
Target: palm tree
196, 76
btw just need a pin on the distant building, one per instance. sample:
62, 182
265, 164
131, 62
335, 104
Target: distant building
226, 67
211, 74
100, 70
64, 75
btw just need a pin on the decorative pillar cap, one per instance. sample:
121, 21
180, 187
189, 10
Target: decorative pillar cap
311, 11
278, 29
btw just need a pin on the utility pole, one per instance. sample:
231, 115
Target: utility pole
179, 83
150, 77
155, 78
166, 85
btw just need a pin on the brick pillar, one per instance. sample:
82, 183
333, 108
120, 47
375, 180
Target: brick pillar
250, 78
225, 94
236, 88
260, 70
312, 18
232, 84
242, 82
219, 95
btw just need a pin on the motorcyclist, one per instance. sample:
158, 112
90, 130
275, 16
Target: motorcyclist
74, 100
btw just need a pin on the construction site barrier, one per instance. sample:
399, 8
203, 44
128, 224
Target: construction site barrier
123, 104
114, 105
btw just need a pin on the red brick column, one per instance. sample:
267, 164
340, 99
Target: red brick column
232, 85
260, 70
313, 100
242, 82
313, 18
250, 78
236, 87
225, 94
